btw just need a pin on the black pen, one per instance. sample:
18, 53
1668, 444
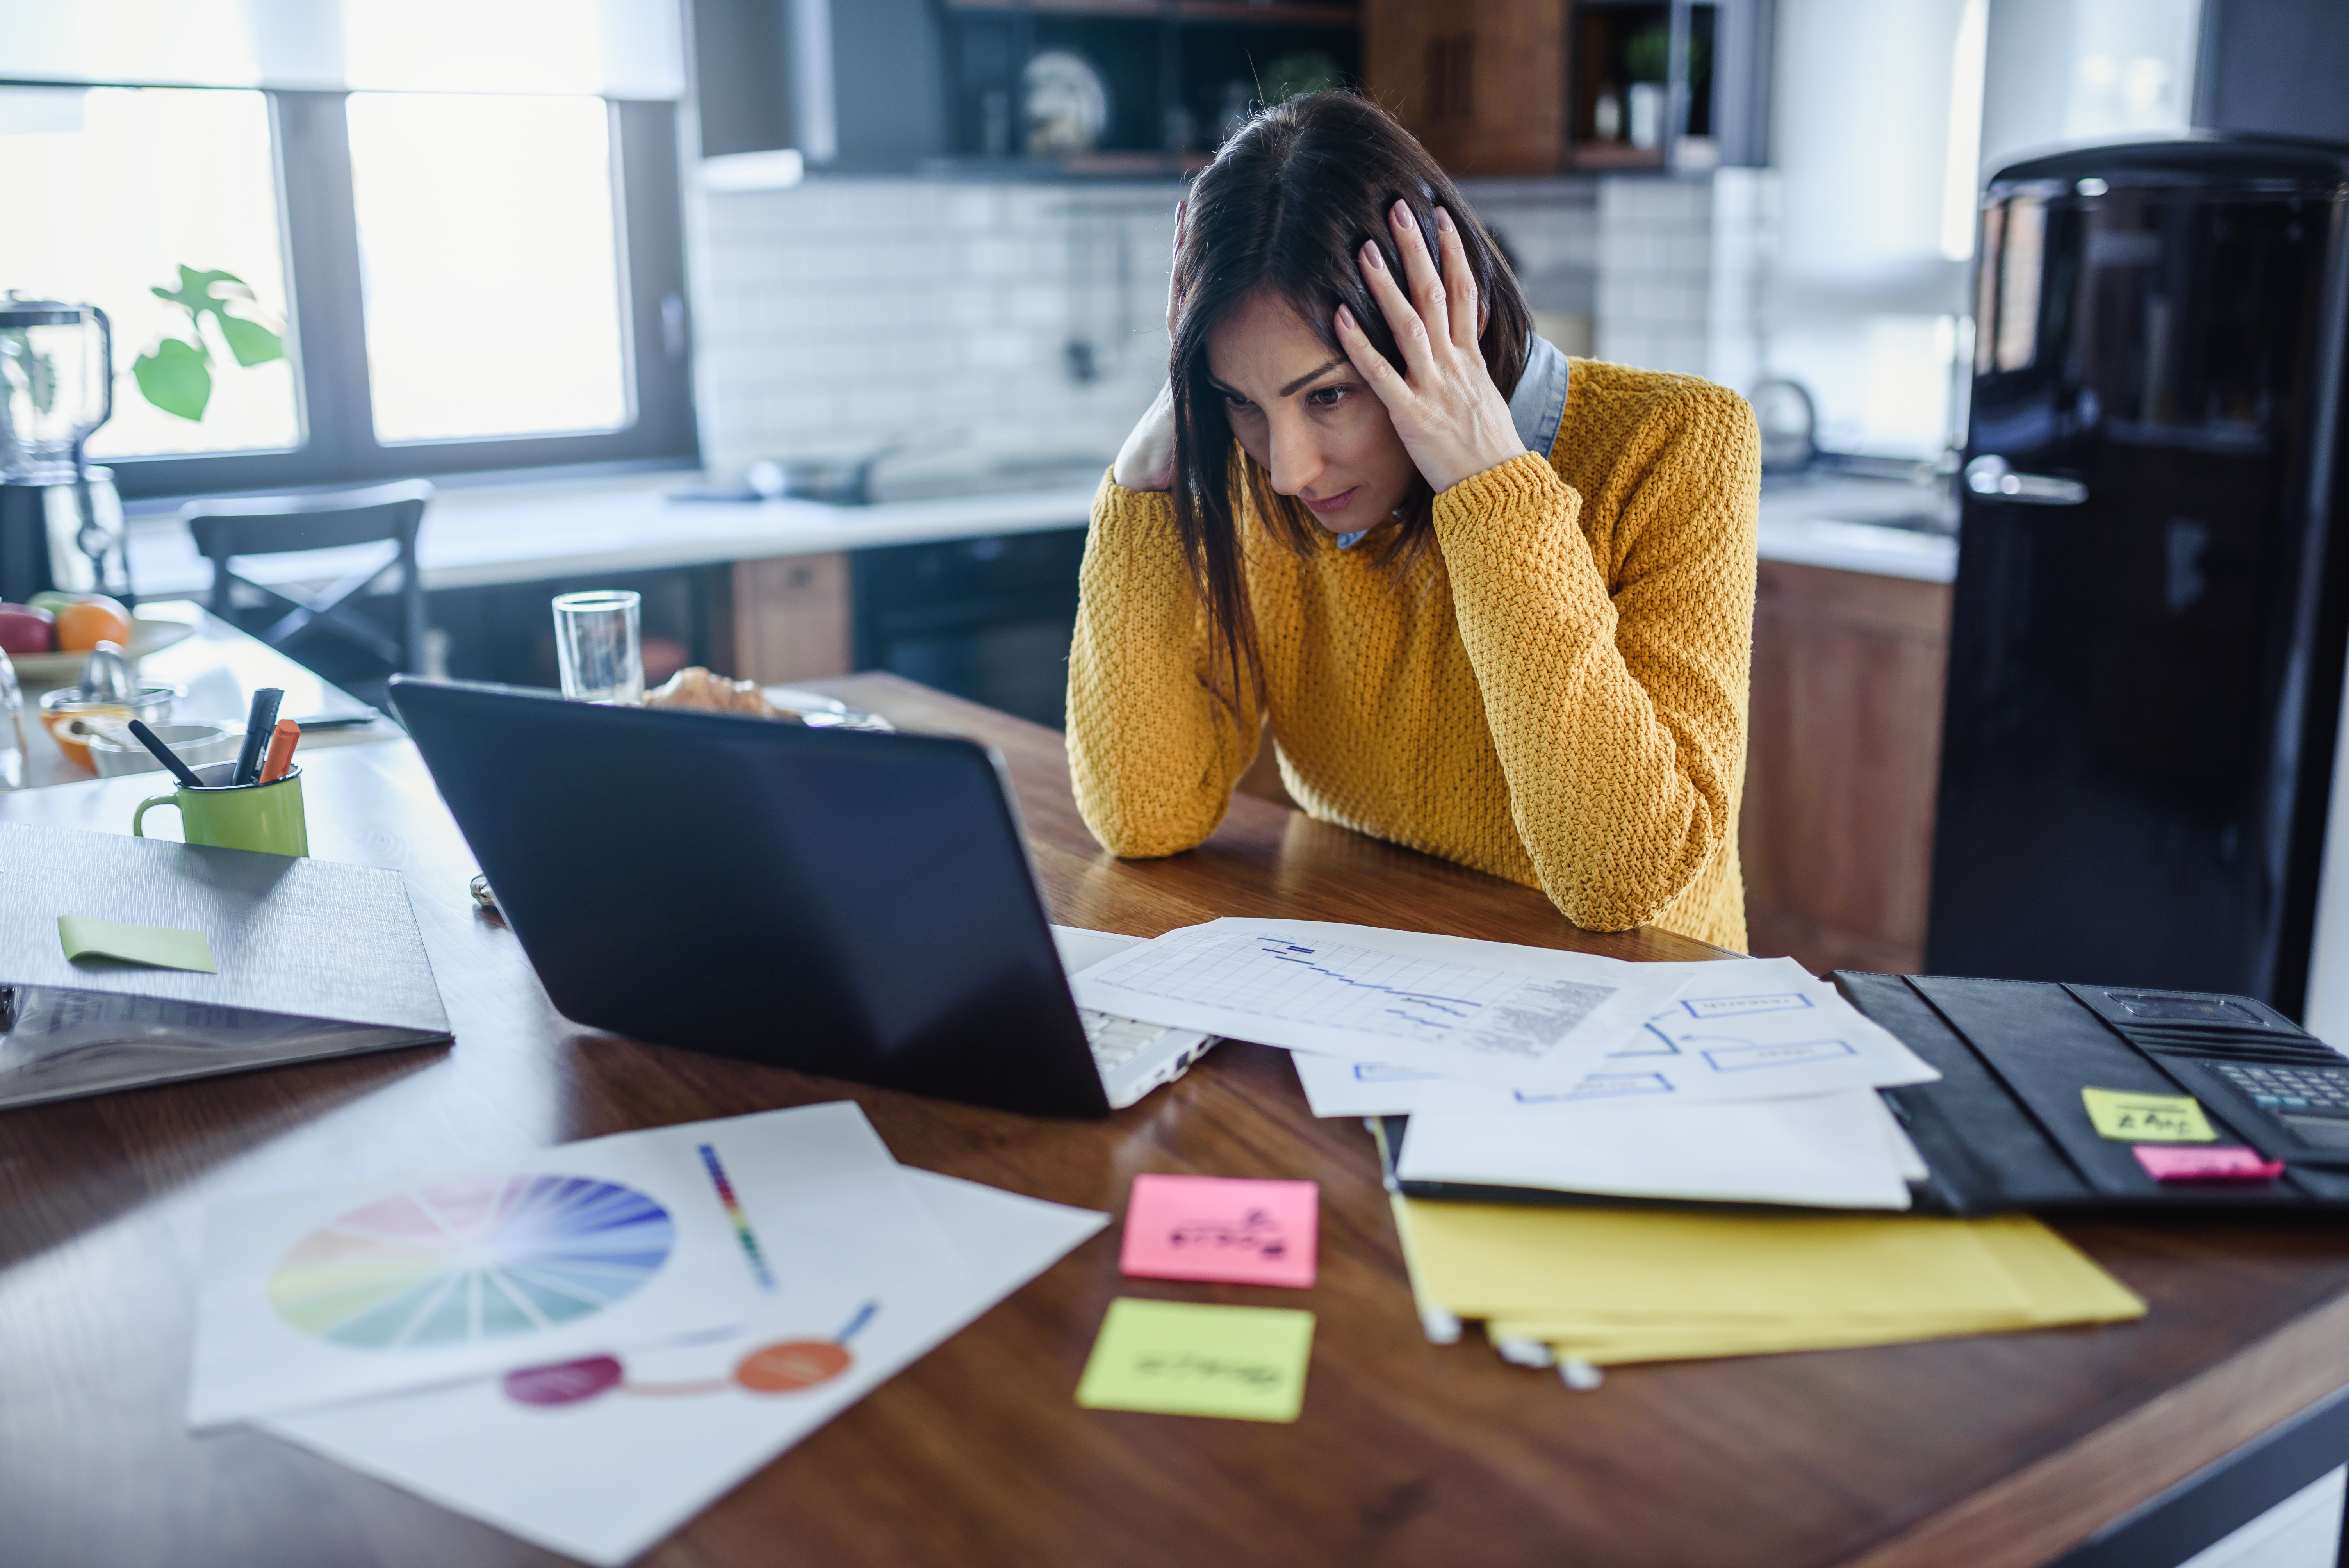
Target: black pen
258, 725
165, 755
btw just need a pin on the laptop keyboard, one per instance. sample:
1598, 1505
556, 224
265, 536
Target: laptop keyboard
1117, 1041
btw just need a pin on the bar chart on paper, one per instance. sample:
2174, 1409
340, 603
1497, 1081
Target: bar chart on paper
1397, 995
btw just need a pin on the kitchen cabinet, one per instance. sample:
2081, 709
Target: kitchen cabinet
1497, 87
1843, 759
1481, 82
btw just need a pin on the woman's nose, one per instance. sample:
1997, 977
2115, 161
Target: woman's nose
1297, 458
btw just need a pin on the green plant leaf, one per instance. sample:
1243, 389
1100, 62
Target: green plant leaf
252, 343
175, 377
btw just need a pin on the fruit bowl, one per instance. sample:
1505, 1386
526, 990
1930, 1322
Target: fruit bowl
147, 637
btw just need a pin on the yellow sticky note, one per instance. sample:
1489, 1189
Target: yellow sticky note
1175, 1357
158, 946
2126, 1117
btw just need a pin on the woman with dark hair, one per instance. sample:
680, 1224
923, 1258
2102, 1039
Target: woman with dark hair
1497, 604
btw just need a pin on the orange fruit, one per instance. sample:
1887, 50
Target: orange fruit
91, 620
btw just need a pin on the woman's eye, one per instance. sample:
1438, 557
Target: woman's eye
1325, 396
1234, 400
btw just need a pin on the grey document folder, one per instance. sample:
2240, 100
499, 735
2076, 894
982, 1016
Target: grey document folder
314, 959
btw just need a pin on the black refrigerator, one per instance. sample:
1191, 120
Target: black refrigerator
2146, 639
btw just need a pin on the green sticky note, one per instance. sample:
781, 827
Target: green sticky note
162, 946
1246, 1363
2126, 1117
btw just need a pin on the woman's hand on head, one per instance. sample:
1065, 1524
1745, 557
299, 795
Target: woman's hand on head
1147, 461
1452, 418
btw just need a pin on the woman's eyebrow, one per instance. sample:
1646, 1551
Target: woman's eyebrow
1312, 375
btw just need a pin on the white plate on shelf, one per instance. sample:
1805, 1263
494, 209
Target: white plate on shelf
147, 637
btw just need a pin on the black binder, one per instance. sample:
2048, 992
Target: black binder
314, 958
2005, 1128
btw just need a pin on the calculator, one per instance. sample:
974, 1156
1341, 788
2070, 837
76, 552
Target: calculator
2283, 1089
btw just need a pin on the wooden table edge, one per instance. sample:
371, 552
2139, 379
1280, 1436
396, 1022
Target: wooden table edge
2033, 1516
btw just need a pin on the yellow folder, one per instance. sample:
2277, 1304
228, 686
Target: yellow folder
1620, 1285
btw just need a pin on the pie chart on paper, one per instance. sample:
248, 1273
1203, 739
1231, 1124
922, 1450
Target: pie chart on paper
458, 1262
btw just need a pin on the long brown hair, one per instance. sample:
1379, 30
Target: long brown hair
1285, 208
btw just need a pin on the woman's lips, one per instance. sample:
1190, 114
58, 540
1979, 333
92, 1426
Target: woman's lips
1336, 503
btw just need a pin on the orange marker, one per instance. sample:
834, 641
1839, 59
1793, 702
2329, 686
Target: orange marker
280, 750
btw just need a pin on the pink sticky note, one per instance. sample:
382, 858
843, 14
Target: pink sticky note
2208, 1162
1213, 1227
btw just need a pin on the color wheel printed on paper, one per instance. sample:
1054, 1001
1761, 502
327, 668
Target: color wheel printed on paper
460, 1262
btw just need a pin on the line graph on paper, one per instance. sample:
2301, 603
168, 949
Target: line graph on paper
1383, 995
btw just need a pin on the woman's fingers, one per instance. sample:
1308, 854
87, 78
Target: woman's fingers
1174, 300
1419, 268
1390, 389
1459, 287
1411, 335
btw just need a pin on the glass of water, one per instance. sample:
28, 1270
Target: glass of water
599, 646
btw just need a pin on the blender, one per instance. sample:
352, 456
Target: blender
60, 520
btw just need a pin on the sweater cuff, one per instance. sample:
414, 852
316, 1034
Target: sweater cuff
1116, 505
1524, 483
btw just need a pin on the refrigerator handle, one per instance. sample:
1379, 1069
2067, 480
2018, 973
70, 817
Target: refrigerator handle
1992, 478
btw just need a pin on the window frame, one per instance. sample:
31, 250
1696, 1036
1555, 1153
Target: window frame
326, 327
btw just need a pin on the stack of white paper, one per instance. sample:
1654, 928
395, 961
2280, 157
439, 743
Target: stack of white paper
1743, 1080
587, 1344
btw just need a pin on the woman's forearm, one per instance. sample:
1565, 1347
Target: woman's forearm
1619, 711
1155, 737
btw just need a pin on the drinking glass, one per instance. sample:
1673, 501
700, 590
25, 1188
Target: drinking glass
15, 760
599, 646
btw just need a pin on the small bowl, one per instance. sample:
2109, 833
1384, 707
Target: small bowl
115, 751
71, 719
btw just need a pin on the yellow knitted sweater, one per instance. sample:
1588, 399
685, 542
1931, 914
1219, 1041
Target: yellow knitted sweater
1555, 694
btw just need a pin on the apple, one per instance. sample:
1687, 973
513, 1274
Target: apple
51, 600
25, 629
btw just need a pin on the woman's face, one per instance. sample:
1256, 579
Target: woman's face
1301, 409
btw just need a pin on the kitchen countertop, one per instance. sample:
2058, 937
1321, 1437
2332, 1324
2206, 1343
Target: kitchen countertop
1839, 520
482, 535
478, 536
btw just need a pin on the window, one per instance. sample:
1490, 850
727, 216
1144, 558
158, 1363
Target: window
517, 331
134, 191
364, 285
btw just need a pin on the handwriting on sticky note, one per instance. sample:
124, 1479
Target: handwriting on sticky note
157, 946
2127, 1117
1213, 1227
2224, 1162
1181, 1358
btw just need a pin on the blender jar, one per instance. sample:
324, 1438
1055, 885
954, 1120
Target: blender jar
57, 385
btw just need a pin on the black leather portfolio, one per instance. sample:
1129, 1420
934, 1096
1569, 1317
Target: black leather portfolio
312, 959
2006, 1128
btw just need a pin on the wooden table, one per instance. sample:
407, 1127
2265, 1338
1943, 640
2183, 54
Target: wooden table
217, 668
2003, 1450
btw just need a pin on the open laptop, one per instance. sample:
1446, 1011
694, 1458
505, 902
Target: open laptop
839, 902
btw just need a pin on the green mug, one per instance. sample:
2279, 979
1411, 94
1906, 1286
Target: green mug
263, 816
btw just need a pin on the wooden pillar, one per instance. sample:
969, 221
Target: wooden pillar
791, 618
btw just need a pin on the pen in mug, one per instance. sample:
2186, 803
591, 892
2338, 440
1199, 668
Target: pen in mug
257, 727
280, 750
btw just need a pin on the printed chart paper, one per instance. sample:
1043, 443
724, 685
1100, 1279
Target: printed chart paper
607, 1476
1750, 1029
1515, 1017
336, 1293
